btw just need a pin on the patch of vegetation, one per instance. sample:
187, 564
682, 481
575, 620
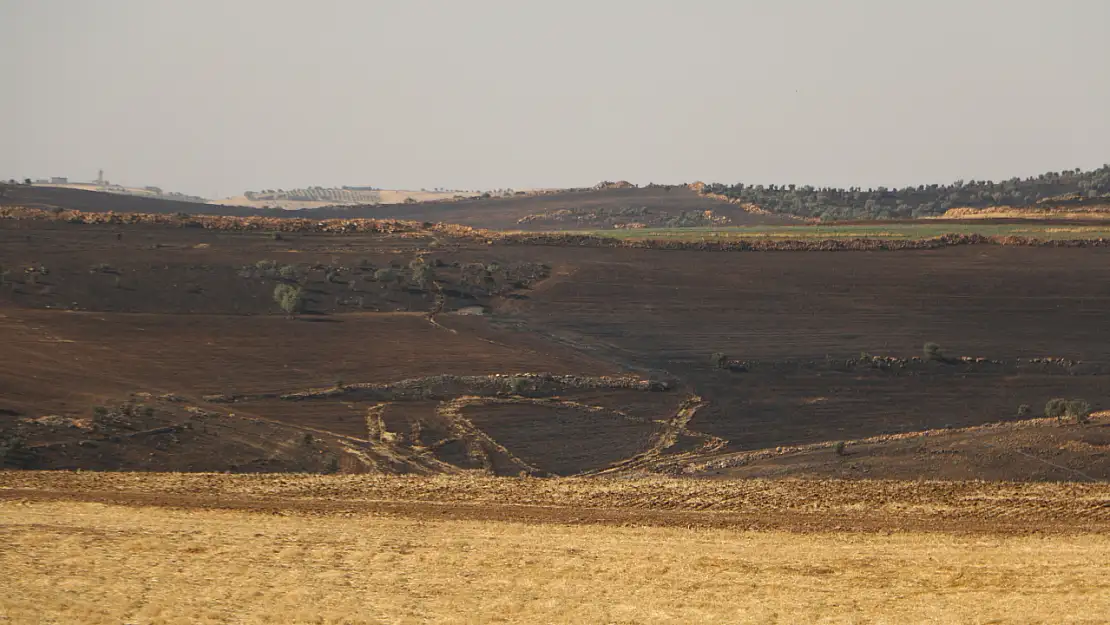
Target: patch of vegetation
121, 417
627, 216
1075, 409
1078, 410
829, 203
289, 298
421, 273
1055, 407
719, 360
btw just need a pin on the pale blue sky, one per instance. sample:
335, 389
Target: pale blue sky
217, 96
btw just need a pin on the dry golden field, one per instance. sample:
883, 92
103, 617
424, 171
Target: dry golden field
129, 548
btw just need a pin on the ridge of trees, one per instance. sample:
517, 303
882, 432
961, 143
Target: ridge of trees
830, 203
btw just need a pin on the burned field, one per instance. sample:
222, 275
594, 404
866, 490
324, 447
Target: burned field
165, 348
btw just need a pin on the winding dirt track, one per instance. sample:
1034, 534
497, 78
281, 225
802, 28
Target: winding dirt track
791, 505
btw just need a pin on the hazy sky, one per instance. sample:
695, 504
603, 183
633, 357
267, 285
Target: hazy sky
216, 96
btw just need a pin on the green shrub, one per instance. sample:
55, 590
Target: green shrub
1078, 409
1024, 410
289, 298
1056, 407
719, 360
421, 273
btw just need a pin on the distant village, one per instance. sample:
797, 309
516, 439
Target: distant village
103, 185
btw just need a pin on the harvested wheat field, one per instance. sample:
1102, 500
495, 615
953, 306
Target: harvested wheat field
201, 548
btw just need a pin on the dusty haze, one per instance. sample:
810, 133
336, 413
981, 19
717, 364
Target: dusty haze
214, 97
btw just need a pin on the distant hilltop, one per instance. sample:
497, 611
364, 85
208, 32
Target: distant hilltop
108, 187
319, 197
1067, 187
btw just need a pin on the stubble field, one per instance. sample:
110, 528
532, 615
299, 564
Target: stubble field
301, 549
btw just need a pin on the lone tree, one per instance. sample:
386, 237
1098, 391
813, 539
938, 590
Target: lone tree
1061, 408
1056, 407
1079, 410
290, 298
719, 360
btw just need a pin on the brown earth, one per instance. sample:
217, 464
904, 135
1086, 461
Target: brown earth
188, 317
109, 548
793, 505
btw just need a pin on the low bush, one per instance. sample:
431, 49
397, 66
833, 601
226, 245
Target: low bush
289, 298
1056, 407
1079, 410
421, 273
932, 351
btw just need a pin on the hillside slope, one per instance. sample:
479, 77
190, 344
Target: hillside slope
563, 210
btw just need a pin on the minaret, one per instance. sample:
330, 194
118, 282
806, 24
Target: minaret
100, 178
